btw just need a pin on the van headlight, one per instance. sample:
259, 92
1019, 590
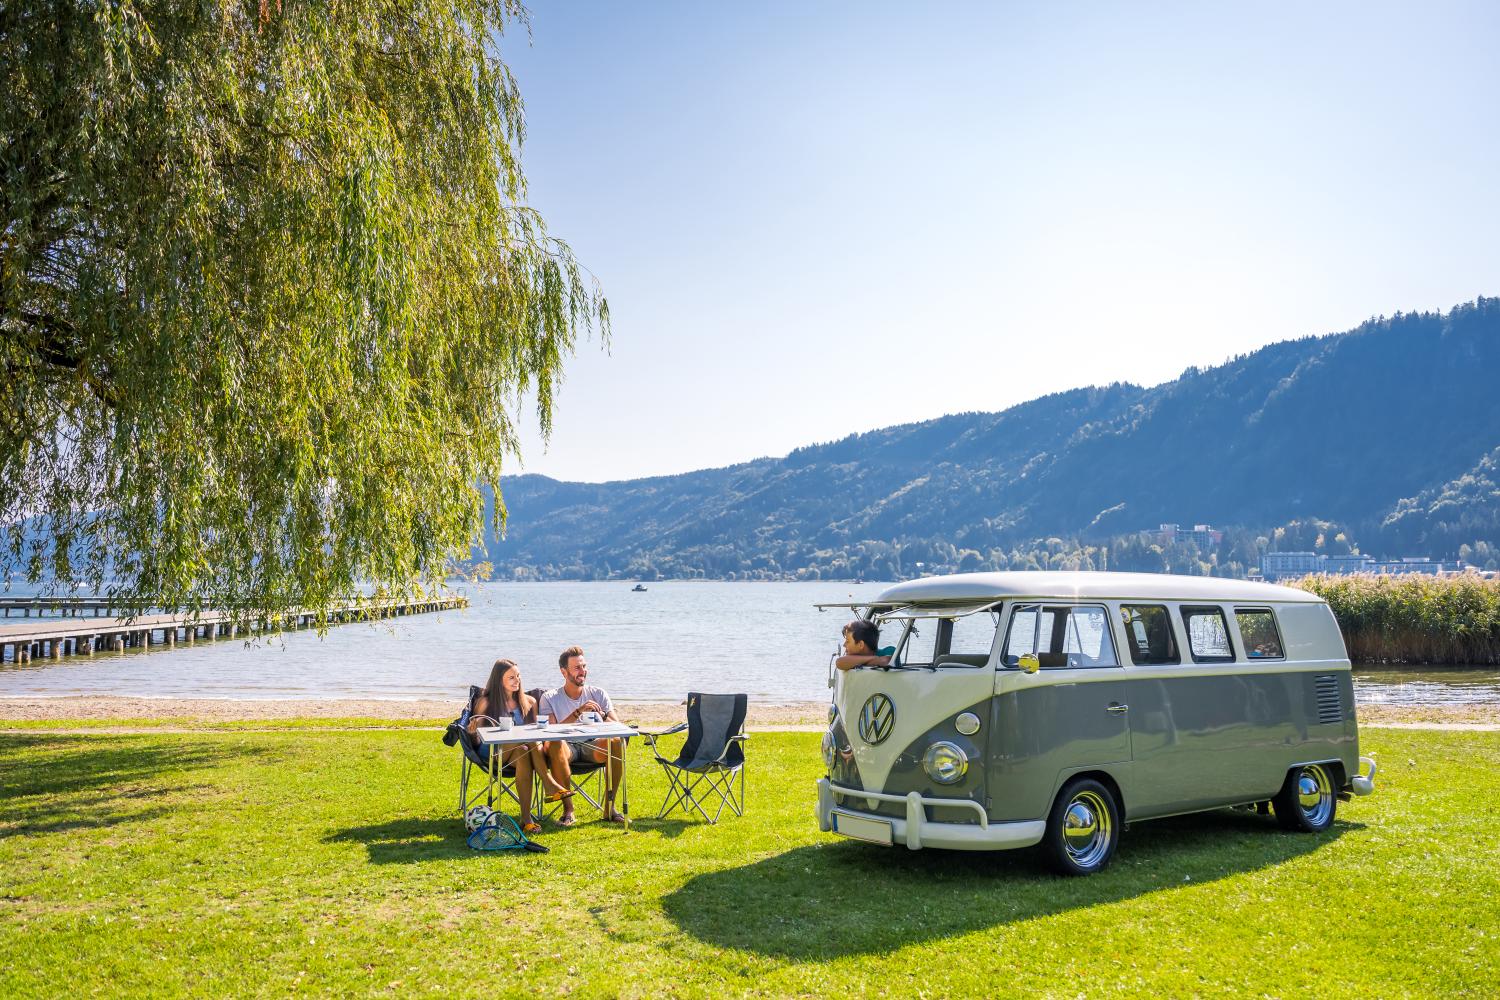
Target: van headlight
945, 763
828, 749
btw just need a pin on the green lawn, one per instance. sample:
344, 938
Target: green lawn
332, 862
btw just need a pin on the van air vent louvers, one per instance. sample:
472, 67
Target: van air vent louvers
1330, 705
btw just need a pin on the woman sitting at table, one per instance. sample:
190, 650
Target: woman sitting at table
503, 698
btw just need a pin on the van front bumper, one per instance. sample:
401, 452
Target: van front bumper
917, 832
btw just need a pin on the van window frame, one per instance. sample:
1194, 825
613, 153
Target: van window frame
944, 625
1129, 644
1013, 607
1183, 610
1275, 627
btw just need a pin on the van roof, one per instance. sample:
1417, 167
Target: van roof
1086, 584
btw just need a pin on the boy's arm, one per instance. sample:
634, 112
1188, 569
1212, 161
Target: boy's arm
850, 662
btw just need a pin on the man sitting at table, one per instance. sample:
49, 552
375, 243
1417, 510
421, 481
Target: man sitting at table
569, 704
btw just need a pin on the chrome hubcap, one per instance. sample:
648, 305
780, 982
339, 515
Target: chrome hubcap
1086, 829
1315, 794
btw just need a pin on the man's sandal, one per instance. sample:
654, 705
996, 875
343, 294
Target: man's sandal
559, 796
529, 828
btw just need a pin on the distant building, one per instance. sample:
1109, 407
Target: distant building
1343, 565
1292, 565
1205, 535
1281, 565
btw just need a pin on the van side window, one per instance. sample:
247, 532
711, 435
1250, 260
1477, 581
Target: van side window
1208, 634
1148, 633
1258, 632
1061, 636
969, 639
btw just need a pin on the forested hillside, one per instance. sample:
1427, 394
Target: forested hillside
1385, 438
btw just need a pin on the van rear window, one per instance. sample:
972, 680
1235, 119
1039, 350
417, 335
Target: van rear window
1208, 634
1061, 636
1258, 633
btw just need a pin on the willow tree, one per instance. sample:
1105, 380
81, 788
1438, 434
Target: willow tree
271, 297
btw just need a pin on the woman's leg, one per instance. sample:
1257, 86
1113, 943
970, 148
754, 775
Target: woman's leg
562, 773
520, 759
540, 765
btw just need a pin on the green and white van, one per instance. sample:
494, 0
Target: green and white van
1053, 708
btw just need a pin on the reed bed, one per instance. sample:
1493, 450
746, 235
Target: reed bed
1414, 619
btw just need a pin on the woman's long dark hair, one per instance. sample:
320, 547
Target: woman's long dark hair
494, 690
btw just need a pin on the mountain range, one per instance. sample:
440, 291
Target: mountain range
1387, 435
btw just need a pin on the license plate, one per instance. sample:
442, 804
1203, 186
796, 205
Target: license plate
875, 831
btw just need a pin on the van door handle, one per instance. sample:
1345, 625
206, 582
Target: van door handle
1115, 708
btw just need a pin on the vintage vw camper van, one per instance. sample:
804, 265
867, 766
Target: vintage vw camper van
1053, 708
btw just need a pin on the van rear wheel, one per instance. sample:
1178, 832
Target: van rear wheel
1083, 828
1307, 801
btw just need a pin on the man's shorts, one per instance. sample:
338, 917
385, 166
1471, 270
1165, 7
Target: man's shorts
584, 752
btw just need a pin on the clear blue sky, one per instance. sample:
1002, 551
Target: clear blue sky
814, 219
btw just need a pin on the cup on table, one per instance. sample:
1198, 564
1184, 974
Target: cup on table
590, 716
503, 723
542, 720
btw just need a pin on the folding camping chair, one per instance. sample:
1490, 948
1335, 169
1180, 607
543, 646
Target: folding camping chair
477, 757
712, 758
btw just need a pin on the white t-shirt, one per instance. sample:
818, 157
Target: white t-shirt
559, 706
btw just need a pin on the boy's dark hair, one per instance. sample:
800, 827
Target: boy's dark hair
864, 631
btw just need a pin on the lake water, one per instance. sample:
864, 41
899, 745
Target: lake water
765, 639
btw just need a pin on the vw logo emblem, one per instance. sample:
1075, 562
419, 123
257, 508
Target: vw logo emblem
876, 719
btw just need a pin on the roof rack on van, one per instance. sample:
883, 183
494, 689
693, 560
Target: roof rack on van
938, 610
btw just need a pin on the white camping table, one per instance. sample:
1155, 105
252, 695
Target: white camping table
571, 732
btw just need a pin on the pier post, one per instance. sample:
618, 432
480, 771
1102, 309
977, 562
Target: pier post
118, 643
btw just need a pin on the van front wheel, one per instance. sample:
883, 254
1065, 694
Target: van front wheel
1083, 828
1306, 802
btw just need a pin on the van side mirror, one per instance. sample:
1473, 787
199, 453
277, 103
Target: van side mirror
1029, 663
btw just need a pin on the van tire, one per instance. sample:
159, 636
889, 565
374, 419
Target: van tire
1083, 828
1308, 799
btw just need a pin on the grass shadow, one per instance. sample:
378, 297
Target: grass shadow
668, 828
409, 841
51, 784
843, 898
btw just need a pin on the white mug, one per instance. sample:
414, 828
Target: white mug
542, 720
590, 716
503, 723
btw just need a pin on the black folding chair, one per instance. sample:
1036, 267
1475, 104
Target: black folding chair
712, 759
477, 756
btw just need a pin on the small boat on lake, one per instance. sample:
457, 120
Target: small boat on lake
639, 588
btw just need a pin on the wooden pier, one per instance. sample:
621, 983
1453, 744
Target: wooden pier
75, 635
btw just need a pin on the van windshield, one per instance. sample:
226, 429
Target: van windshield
948, 642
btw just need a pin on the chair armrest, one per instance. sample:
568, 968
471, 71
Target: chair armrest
742, 737
666, 732
651, 738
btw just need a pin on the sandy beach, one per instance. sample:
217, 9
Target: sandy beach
84, 708
803, 716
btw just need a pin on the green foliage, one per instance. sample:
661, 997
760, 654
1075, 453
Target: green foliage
1457, 512
270, 294
1414, 619
333, 864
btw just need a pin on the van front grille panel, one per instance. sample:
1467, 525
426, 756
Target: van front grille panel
1330, 704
